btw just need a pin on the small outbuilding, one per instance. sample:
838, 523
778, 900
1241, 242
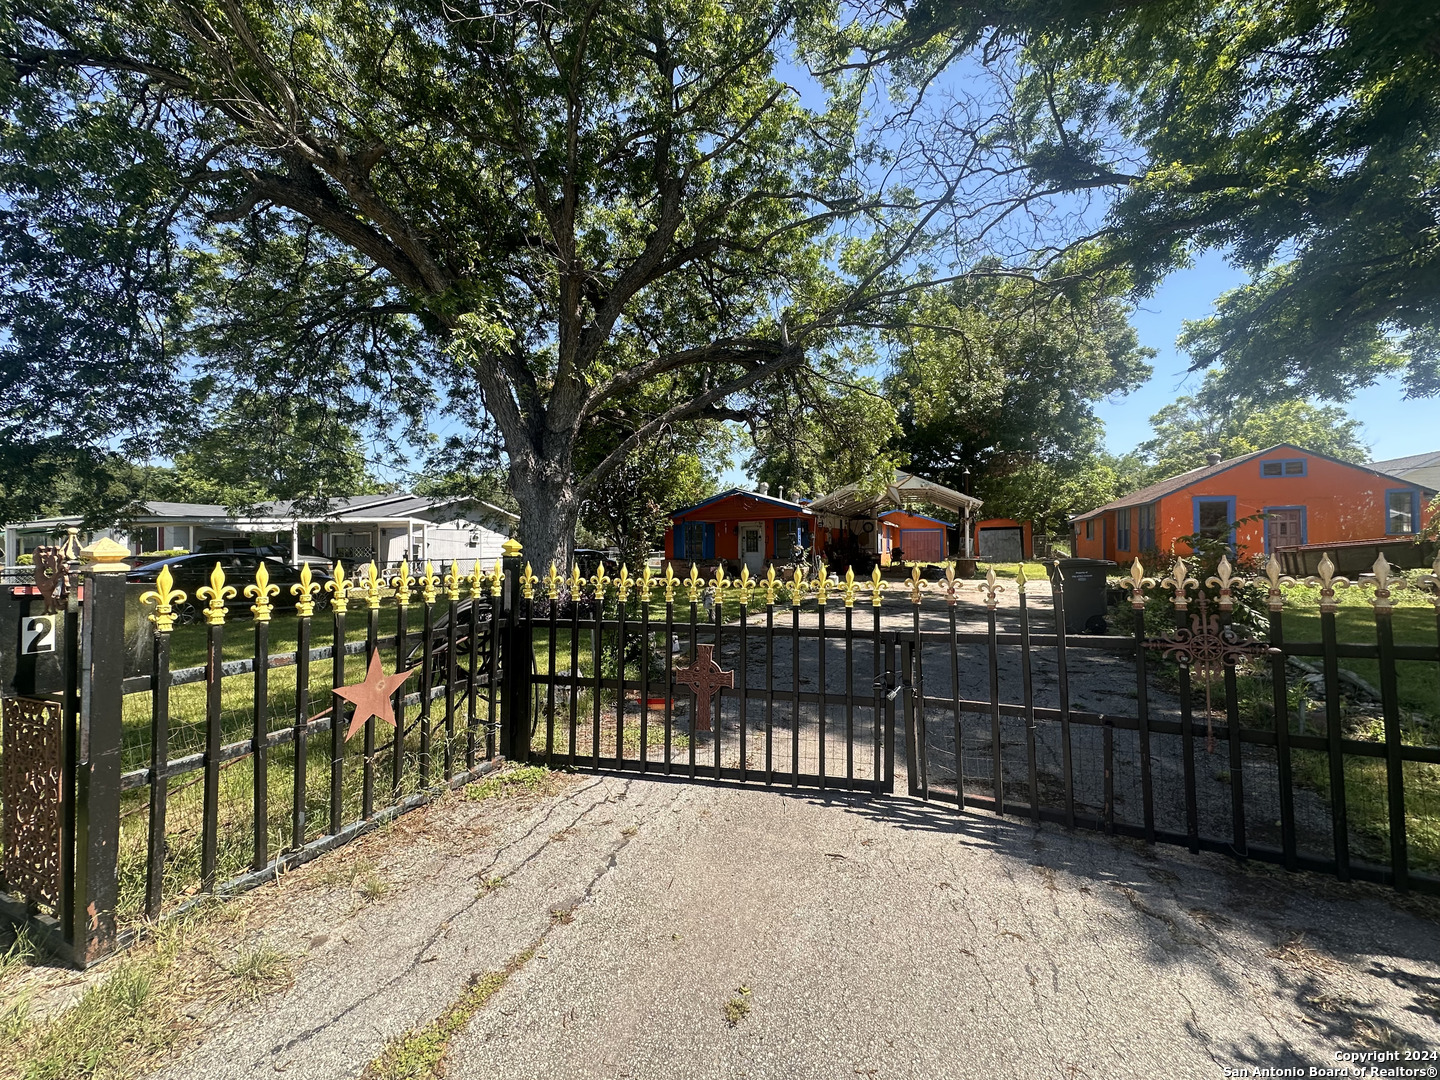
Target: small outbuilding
1004, 540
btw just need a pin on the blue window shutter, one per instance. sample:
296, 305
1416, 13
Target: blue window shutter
709, 540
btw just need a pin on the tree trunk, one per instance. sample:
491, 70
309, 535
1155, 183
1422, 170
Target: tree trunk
549, 507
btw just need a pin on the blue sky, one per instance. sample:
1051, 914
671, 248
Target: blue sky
1394, 427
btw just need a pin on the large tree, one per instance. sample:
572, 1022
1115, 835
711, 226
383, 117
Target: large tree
998, 379
1302, 137
1217, 420
527, 212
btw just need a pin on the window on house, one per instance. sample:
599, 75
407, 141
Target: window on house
1400, 512
1145, 527
1122, 530
1212, 518
694, 540
788, 533
1090, 529
151, 539
1284, 467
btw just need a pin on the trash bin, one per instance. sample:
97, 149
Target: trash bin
1086, 603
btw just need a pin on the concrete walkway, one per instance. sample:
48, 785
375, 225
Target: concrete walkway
872, 938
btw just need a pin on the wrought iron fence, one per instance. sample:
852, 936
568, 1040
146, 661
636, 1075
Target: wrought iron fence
214, 764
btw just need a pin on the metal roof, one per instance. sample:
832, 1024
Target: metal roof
1160, 489
800, 511
852, 501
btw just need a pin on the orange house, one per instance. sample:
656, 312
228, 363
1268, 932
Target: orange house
1294, 498
749, 527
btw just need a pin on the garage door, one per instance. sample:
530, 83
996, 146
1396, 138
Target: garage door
1000, 545
923, 545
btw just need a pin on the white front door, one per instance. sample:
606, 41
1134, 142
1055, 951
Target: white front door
752, 545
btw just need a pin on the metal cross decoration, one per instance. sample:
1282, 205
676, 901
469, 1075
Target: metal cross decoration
1206, 648
704, 677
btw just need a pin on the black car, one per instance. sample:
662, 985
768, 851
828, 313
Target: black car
190, 572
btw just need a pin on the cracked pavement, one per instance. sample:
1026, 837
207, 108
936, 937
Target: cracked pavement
872, 937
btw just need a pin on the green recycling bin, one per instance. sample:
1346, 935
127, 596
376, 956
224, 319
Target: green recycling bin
1085, 585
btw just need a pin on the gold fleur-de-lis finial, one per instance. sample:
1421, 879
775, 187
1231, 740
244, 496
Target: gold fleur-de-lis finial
670, 582
915, 584
719, 582
497, 578
453, 579
576, 582
165, 596
797, 585
528, 580
645, 583
877, 587
949, 586
338, 587
623, 584
600, 580
217, 592
429, 585
304, 590
400, 584
744, 586
772, 586
1179, 579
262, 591
848, 587
822, 586
477, 581
553, 581
1223, 578
1381, 580
1137, 583
1328, 581
991, 588
694, 584
1276, 579
1020, 579
1431, 583
371, 585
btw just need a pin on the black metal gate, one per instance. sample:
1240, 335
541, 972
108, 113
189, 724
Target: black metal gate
726, 683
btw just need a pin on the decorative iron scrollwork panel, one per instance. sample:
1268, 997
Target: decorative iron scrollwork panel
31, 779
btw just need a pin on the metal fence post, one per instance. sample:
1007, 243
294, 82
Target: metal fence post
515, 660
97, 753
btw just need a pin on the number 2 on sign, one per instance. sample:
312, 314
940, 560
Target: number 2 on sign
37, 634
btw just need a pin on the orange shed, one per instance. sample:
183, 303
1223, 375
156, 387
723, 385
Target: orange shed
1283, 497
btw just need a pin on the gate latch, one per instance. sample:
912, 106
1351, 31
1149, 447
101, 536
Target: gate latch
882, 681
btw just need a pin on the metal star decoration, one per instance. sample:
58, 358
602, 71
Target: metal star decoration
372, 697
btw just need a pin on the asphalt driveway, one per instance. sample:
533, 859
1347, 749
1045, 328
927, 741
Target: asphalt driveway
681, 930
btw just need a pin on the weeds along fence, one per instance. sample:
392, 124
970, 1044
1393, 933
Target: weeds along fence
170, 762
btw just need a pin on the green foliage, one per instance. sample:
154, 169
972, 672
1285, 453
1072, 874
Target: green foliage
529, 217
1215, 419
1296, 135
816, 435
676, 467
266, 447
1000, 378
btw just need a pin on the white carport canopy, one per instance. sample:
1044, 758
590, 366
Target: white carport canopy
853, 502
